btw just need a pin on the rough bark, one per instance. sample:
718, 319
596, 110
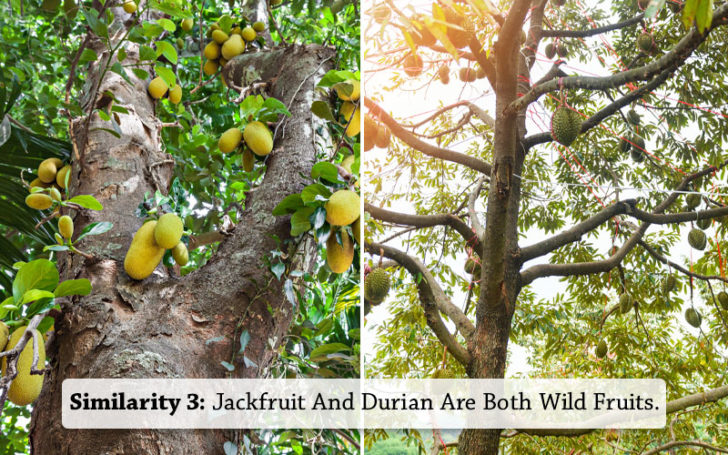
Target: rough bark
158, 327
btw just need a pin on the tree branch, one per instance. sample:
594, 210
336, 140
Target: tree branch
592, 31
474, 220
672, 444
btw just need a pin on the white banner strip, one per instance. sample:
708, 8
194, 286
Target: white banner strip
351, 403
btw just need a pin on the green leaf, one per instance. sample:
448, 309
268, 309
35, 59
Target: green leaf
326, 171
330, 348
56, 248
251, 105
176, 8
300, 222
35, 294
278, 269
121, 54
95, 229
88, 55
275, 106
147, 53
166, 74
704, 15
244, 339
322, 110
288, 205
73, 287
166, 49
315, 192
167, 24
334, 77
96, 24
688, 15
140, 73
39, 274
87, 201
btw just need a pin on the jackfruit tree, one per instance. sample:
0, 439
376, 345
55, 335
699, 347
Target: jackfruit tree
558, 210
139, 239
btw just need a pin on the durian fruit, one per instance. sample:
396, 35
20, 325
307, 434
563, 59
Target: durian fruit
704, 223
219, 36
342, 208
354, 91
444, 73
645, 43
550, 51
187, 24
381, 13
472, 266
467, 74
26, 387
356, 229
249, 34
48, 169
258, 26
258, 138
668, 284
625, 303
168, 231
61, 176
637, 155
212, 51
693, 317
565, 125
230, 140
383, 137
376, 286
339, 257
633, 117
39, 201
723, 299
625, 145
157, 88
130, 6
144, 254
638, 143
248, 160
697, 239
4, 335
180, 254
601, 349
692, 200
479, 72
233, 47
370, 133
443, 373
413, 65
175, 94
65, 226
561, 50
457, 27
210, 67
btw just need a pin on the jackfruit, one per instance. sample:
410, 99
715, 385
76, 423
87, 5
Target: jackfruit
350, 113
26, 387
565, 125
354, 126
339, 257
180, 254
230, 140
222, 62
258, 26
704, 223
233, 47
259, 138
210, 67
376, 286
693, 317
130, 6
157, 88
55, 194
601, 350
168, 231
342, 208
625, 303
356, 229
4, 335
354, 91
723, 299
65, 226
443, 373
39, 201
249, 34
692, 200
444, 73
697, 239
236, 30
219, 36
248, 160
668, 284
413, 65
144, 254
175, 95
212, 51
187, 24
370, 133
61, 176
48, 168
38, 183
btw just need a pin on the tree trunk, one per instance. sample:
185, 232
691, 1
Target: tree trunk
158, 327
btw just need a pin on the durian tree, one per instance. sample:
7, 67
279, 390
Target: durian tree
113, 107
567, 201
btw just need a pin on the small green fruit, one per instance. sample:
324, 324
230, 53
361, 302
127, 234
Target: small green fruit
258, 26
65, 226
693, 317
249, 34
187, 24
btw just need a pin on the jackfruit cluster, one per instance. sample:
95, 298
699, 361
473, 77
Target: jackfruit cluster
565, 125
225, 46
49, 187
254, 139
376, 286
158, 89
151, 241
26, 387
342, 209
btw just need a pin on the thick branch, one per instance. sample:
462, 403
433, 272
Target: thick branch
678, 267
592, 31
474, 220
428, 149
433, 299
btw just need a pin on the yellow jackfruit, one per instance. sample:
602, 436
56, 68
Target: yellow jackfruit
354, 92
230, 140
339, 257
48, 168
26, 387
249, 34
219, 36
175, 95
248, 160
39, 201
180, 254
212, 51
130, 6
65, 226
210, 67
354, 126
259, 138
144, 254
222, 62
236, 30
342, 208
347, 162
356, 228
232, 47
168, 230
157, 88
4, 334
347, 109
61, 176
38, 183
258, 26
187, 24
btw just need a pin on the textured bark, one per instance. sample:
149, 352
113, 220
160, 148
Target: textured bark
158, 327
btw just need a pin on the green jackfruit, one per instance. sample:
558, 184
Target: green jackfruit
565, 125
376, 286
342, 208
144, 254
210, 67
168, 231
219, 36
249, 34
65, 226
602, 349
258, 138
130, 6
26, 387
233, 47
339, 257
175, 94
212, 51
258, 26
443, 373
356, 229
697, 239
180, 254
693, 317
187, 24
